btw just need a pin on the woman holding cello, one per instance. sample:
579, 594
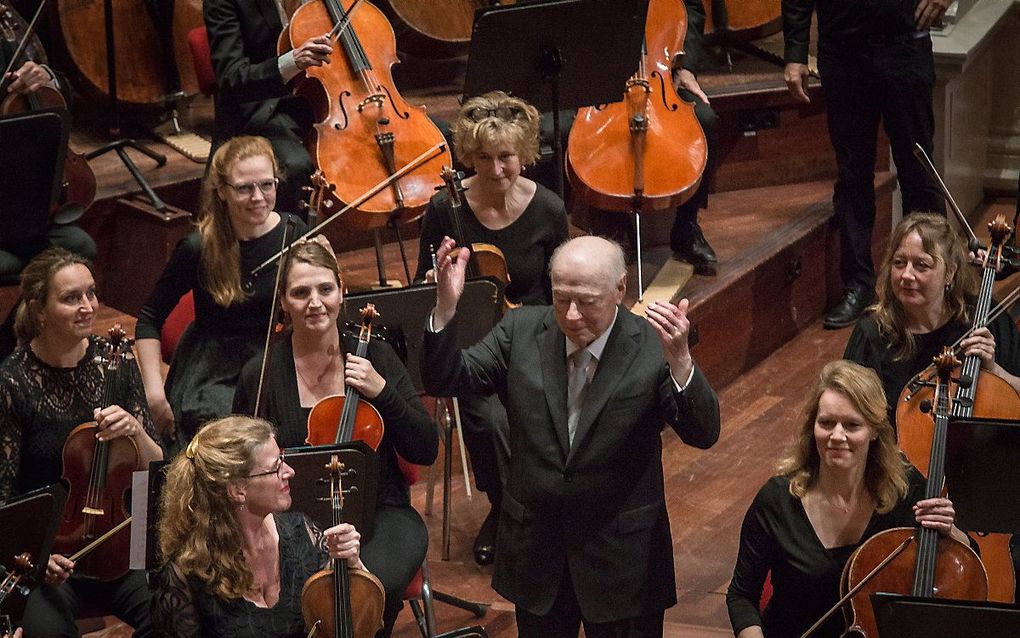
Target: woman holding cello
236, 559
49, 386
497, 136
843, 481
314, 361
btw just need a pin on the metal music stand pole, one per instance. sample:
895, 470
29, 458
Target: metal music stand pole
122, 143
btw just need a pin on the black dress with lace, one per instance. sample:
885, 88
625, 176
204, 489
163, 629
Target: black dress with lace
183, 608
41, 404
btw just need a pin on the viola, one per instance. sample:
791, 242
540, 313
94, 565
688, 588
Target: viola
923, 563
743, 19
486, 259
22, 566
78, 189
341, 419
366, 132
341, 601
98, 479
986, 395
647, 152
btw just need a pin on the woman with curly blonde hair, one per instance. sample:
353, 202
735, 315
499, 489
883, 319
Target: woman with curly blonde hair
496, 136
843, 482
238, 229
235, 559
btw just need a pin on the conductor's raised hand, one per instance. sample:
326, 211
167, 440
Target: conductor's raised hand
671, 323
313, 52
451, 269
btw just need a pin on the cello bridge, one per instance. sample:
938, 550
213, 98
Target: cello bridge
93, 511
377, 99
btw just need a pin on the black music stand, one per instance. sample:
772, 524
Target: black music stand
309, 489
559, 54
28, 524
982, 474
32, 167
898, 616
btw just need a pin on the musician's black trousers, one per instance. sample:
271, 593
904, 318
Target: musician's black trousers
50, 611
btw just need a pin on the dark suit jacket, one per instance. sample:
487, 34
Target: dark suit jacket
242, 41
596, 508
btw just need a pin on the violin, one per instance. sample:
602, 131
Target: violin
920, 561
22, 566
366, 132
340, 419
78, 189
984, 395
97, 475
743, 19
486, 259
438, 29
342, 602
647, 152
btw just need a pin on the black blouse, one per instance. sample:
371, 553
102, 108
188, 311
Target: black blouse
40, 405
777, 537
527, 243
408, 431
183, 608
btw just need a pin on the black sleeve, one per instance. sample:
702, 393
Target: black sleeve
408, 425
135, 401
432, 232
694, 38
10, 438
448, 371
861, 347
755, 557
179, 276
239, 78
247, 386
1007, 343
797, 29
174, 614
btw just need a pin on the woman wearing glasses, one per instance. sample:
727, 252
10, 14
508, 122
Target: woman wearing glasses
497, 136
236, 559
314, 361
238, 228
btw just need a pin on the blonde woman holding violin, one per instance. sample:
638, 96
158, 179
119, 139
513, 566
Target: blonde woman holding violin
50, 385
313, 361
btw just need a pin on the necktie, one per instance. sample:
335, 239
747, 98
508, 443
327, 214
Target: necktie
577, 382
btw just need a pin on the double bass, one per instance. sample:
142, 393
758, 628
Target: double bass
983, 395
647, 152
340, 419
366, 132
98, 479
342, 602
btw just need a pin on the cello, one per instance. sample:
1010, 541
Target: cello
437, 29
342, 602
98, 479
915, 560
743, 19
340, 419
647, 152
984, 395
365, 131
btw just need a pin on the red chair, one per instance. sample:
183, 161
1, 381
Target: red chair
176, 323
198, 42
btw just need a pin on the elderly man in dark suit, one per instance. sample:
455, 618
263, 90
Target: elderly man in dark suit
584, 534
253, 96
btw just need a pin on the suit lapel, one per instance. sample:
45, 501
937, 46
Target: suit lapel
553, 355
270, 14
621, 348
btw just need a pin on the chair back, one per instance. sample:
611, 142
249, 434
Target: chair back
198, 42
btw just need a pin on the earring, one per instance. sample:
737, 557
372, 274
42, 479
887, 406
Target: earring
949, 286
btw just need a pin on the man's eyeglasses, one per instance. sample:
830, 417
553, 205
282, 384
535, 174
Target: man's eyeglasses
247, 190
505, 113
275, 470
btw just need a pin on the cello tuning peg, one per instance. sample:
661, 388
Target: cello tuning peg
964, 381
925, 406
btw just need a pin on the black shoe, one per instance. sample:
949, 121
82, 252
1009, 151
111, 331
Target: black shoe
689, 244
848, 310
485, 542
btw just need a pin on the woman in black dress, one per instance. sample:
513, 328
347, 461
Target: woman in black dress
238, 228
314, 361
843, 482
49, 385
236, 559
497, 136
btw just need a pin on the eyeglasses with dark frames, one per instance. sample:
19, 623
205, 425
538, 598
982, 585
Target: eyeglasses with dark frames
247, 190
276, 470
503, 112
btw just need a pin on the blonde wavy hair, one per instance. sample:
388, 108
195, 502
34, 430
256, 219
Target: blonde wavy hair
943, 243
198, 529
495, 118
221, 253
885, 474
35, 288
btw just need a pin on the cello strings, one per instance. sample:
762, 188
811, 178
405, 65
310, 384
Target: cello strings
342, 25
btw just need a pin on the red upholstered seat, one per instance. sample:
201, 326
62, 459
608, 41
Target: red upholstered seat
198, 42
179, 319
